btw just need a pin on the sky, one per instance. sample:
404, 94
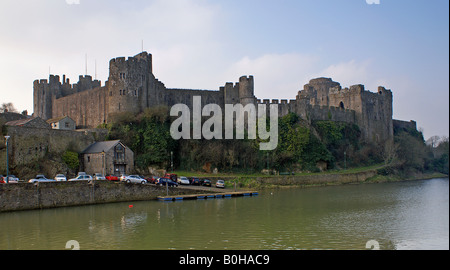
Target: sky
402, 45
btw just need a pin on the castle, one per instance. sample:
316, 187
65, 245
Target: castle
132, 87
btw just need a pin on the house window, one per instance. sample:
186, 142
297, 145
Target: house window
67, 124
88, 159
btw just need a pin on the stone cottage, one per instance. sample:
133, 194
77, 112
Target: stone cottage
109, 157
63, 123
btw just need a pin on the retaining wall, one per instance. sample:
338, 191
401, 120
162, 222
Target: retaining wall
27, 196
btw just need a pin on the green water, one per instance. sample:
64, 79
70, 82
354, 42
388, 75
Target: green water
403, 215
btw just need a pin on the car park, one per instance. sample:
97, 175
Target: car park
82, 177
183, 180
166, 181
134, 179
41, 178
220, 184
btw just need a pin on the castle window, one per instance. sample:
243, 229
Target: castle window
341, 105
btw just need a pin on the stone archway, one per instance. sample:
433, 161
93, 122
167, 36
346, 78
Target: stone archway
341, 105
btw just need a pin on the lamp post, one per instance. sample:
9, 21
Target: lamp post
7, 159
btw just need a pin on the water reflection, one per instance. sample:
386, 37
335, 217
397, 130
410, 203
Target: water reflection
407, 215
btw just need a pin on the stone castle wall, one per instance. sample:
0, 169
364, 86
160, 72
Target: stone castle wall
132, 87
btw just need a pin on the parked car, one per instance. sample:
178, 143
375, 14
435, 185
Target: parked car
41, 178
195, 181
122, 177
82, 177
220, 184
152, 179
166, 181
60, 177
206, 182
11, 179
111, 177
171, 176
183, 180
99, 176
134, 179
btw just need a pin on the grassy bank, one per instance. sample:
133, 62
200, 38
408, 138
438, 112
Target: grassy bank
368, 174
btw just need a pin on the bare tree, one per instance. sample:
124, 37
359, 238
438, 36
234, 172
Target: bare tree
8, 107
433, 141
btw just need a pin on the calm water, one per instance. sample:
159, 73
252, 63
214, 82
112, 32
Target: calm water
406, 215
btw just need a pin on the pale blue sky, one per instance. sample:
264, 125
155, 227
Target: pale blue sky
400, 44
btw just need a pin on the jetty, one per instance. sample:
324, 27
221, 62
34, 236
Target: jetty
208, 196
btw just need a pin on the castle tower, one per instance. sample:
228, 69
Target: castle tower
128, 83
43, 93
246, 90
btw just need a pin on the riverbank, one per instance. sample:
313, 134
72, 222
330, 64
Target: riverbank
362, 175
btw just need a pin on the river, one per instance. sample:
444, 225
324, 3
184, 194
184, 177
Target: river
400, 215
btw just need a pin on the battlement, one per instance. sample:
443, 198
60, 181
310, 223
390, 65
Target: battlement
143, 56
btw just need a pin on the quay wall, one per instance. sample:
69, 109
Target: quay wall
28, 196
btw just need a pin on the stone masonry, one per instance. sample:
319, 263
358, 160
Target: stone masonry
132, 87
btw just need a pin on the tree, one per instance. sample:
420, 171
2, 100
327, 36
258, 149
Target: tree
8, 107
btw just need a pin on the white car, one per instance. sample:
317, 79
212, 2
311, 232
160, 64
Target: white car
83, 177
12, 179
99, 176
134, 179
60, 177
220, 184
183, 180
40, 178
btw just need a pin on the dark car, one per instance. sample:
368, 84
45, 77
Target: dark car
195, 181
166, 181
206, 182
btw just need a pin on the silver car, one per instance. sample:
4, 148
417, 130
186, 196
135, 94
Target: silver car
83, 177
134, 179
40, 178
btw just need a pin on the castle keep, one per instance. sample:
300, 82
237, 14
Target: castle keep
132, 87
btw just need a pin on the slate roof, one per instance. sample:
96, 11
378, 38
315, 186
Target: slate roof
100, 147
54, 120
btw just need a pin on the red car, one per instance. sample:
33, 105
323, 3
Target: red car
112, 178
152, 179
